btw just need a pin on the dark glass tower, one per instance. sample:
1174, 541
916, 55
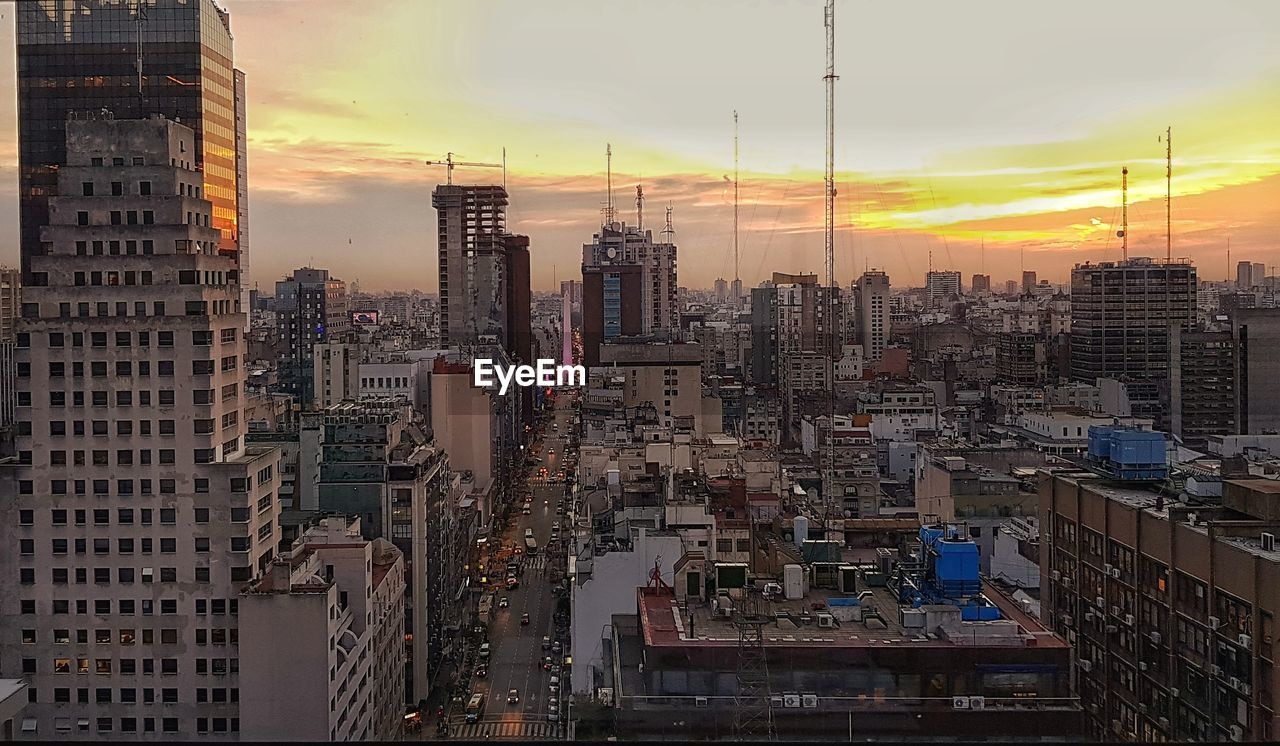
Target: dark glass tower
82, 56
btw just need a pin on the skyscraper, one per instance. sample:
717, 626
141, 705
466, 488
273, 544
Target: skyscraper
612, 297
1028, 280
1244, 275
1121, 313
82, 56
981, 284
871, 299
136, 511
721, 290
484, 271
311, 307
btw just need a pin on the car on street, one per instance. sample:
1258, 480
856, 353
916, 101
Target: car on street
524, 619
546, 643
555, 647
555, 670
526, 511
482, 671
551, 451
553, 714
554, 684
504, 602
512, 583
484, 651
513, 697
528, 533
547, 665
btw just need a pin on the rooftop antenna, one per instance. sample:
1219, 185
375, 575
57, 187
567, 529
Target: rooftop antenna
1124, 212
640, 207
830, 23
608, 171
504, 168
140, 19
668, 232
737, 276
1228, 258
1168, 193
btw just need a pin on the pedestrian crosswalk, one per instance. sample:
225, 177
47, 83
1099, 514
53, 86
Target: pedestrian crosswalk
536, 562
515, 730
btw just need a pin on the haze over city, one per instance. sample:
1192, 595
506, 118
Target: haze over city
987, 126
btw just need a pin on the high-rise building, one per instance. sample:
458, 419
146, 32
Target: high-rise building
1121, 313
1020, 358
81, 57
735, 292
1244, 275
1257, 340
311, 307
570, 315
623, 244
472, 221
133, 314
1169, 602
10, 301
1010, 287
721, 290
1028, 280
871, 304
1259, 274
1202, 386
940, 285
981, 284
612, 306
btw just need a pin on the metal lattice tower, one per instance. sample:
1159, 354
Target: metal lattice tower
753, 710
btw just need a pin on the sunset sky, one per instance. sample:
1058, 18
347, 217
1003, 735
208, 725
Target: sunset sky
957, 125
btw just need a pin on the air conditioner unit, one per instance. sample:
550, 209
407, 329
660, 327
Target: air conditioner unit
977, 703
1100, 602
1237, 733
1234, 682
1116, 726
1088, 616
1067, 621
1115, 572
1245, 689
1215, 669
1107, 568
1086, 666
700, 701
1245, 640
809, 700
1142, 666
1093, 709
1112, 629
1128, 620
959, 703
1164, 722
1115, 611
1268, 542
1214, 622
1142, 708
1056, 575
1174, 692
791, 700
1071, 637
1155, 637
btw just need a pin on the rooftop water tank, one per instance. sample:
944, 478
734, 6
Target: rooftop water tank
800, 530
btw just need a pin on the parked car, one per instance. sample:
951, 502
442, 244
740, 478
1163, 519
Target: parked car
547, 665
555, 647
546, 643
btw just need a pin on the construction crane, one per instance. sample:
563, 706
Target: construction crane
449, 163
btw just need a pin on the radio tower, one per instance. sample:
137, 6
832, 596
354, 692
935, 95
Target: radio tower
753, 716
737, 277
830, 22
1124, 211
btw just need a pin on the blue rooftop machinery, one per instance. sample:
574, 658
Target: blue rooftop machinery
1127, 453
946, 572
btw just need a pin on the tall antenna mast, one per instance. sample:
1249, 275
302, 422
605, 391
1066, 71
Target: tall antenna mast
639, 207
1168, 194
608, 170
668, 232
1124, 212
504, 168
830, 22
1228, 258
736, 275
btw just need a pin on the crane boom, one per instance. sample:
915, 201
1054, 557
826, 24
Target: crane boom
449, 164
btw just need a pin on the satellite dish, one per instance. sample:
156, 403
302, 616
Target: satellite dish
611, 252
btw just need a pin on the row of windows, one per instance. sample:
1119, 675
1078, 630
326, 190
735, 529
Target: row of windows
107, 636
102, 575
203, 606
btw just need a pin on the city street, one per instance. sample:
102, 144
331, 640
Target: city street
517, 655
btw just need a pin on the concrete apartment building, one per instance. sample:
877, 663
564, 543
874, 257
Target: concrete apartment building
336, 372
311, 308
122, 566
939, 285
667, 376
618, 243
1170, 603
337, 593
1257, 334
471, 221
871, 307
612, 306
1121, 313
10, 301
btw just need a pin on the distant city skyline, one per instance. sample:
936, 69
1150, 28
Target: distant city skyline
1016, 142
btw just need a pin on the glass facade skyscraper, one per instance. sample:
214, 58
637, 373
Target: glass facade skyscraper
81, 56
